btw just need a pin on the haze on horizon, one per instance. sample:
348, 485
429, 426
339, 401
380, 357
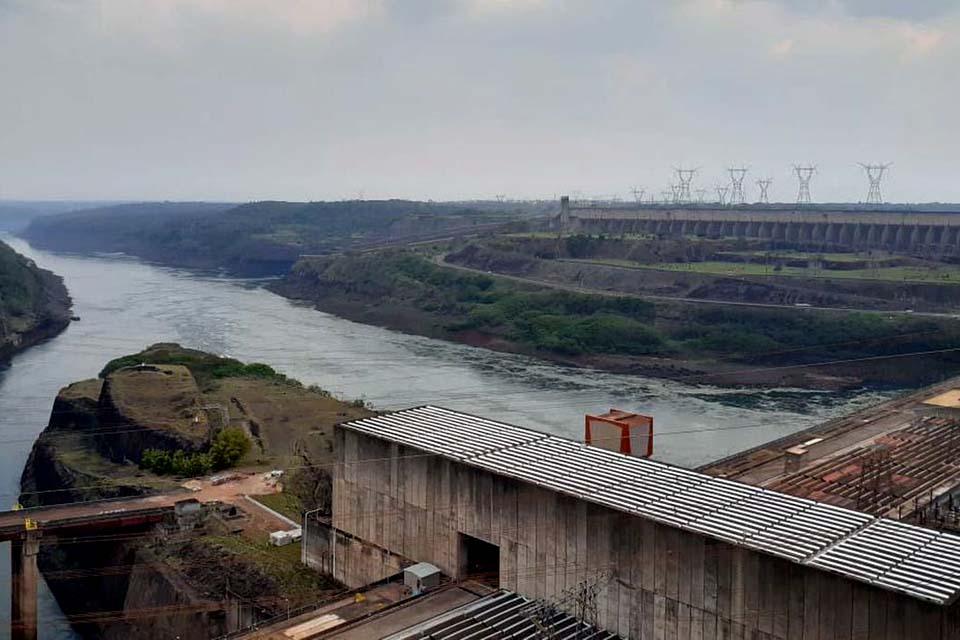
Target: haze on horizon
449, 99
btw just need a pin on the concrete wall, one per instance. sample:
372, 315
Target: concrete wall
350, 560
665, 583
929, 233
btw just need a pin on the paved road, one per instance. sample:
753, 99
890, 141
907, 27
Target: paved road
441, 260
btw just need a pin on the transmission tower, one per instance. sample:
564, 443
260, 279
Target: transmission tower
701, 195
804, 174
737, 174
667, 195
684, 178
637, 194
764, 184
722, 194
874, 175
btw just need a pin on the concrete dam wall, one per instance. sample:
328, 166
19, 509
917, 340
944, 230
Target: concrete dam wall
926, 233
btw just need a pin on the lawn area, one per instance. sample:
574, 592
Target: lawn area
282, 564
806, 255
283, 503
553, 235
948, 274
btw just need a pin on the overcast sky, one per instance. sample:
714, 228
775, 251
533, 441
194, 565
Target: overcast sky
326, 99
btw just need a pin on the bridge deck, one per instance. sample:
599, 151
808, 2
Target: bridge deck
13, 523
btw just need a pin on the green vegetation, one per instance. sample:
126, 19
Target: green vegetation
284, 502
281, 564
227, 449
34, 304
807, 255
204, 366
30, 297
19, 286
558, 321
809, 336
572, 324
940, 273
257, 238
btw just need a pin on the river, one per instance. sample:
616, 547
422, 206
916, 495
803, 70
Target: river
126, 305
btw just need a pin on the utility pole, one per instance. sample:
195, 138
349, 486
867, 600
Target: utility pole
684, 178
722, 190
562, 221
875, 175
764, 184
737, 174
804, 175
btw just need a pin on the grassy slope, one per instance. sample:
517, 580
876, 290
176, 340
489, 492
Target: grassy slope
945, 274
393, 286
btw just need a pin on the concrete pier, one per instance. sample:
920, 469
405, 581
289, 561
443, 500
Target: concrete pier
23, 588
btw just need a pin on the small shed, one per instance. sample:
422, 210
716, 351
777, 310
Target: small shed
421, 577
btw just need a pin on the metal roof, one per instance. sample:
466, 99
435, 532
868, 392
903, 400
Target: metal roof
422, 569
503, 614
918, 562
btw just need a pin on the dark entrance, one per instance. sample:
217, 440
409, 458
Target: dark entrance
479, 560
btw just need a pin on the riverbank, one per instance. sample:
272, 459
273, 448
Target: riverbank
34, 303
676, 340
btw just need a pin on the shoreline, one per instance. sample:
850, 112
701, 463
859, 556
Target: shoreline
716, 374
36, 336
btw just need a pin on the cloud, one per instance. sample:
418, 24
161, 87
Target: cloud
486, 7
306, 99
782, 47
159, 21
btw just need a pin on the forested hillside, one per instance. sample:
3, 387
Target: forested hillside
33, 303
258, 238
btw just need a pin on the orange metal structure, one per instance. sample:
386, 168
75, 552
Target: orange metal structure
622, 431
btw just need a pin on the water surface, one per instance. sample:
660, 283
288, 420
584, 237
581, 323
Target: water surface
126, 305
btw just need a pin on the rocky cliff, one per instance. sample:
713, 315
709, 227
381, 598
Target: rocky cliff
155, 584
34, 304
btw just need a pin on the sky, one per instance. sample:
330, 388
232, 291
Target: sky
459, 99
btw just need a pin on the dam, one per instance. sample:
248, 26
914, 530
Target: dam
914, 230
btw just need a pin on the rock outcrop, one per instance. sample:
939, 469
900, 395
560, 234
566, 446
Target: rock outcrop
156, 582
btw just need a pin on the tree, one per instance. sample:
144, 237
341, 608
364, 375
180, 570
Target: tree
228, 448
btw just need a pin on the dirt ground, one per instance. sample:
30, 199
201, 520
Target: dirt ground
285, 418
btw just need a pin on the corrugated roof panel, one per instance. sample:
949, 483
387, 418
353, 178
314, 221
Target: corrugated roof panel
904, 558
502, 615
450, 433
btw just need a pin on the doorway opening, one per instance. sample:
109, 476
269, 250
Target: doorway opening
479, 560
